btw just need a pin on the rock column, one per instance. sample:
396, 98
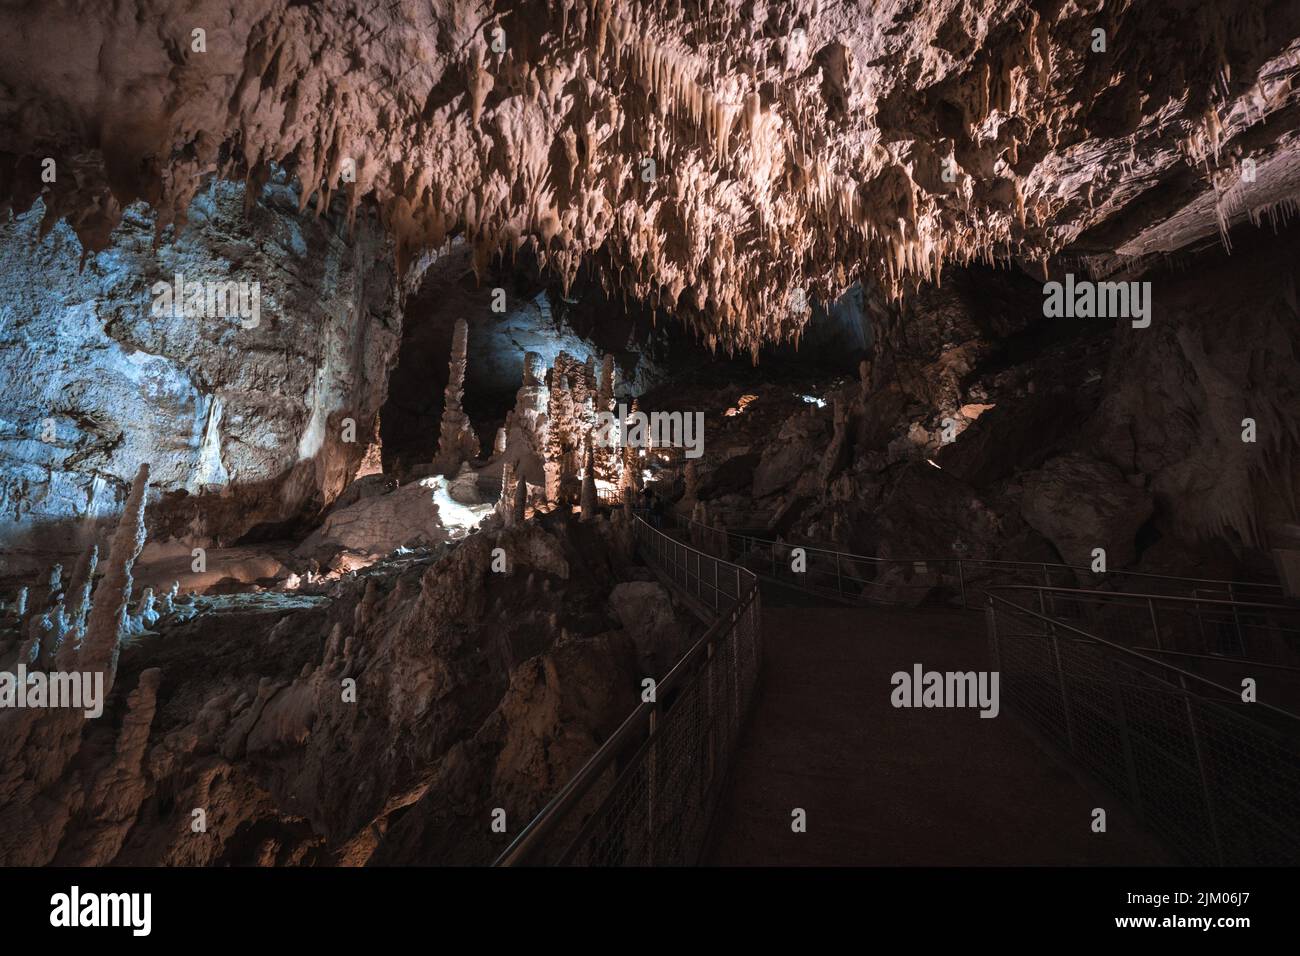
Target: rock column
457, 442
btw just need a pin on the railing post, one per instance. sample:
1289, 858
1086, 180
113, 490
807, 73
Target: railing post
961, 579
991, 617
1200, 769
710, 709
1155, 622
1130, 764
733, 638
1065, 696
652, 783
839, 584
1236, 620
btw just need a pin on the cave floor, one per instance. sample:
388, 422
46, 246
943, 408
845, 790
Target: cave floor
886, 786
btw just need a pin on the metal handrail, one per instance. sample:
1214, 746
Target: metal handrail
960, 569
1134, 654
1271, 628
1216, 775
533, 839
1094, 594
988, 562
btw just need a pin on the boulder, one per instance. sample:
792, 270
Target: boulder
1080, 504
1015, 434
420, 514
798, 447
733, 476
645, 611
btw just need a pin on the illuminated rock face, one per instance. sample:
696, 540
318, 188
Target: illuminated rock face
730, 161
244, 423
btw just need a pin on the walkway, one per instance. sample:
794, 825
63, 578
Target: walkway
887, 786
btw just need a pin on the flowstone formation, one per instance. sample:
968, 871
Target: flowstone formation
730, 162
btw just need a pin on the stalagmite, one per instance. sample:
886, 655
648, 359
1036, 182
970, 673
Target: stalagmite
457, 442
836, 455
146, 613
605, 395
588, 499
520, 506
169, 599
506, 503
104, 630
83, 578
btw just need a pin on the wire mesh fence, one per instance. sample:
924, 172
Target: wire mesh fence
1217, 777
1225, 640
662, 772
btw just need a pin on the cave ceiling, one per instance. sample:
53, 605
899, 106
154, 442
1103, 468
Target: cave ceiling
726, 161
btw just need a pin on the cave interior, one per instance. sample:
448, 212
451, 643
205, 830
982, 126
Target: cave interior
942, 317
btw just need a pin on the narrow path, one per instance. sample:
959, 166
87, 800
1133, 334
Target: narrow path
889, 786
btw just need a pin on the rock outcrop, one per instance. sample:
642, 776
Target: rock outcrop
245, 425
379, 718
40, 795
